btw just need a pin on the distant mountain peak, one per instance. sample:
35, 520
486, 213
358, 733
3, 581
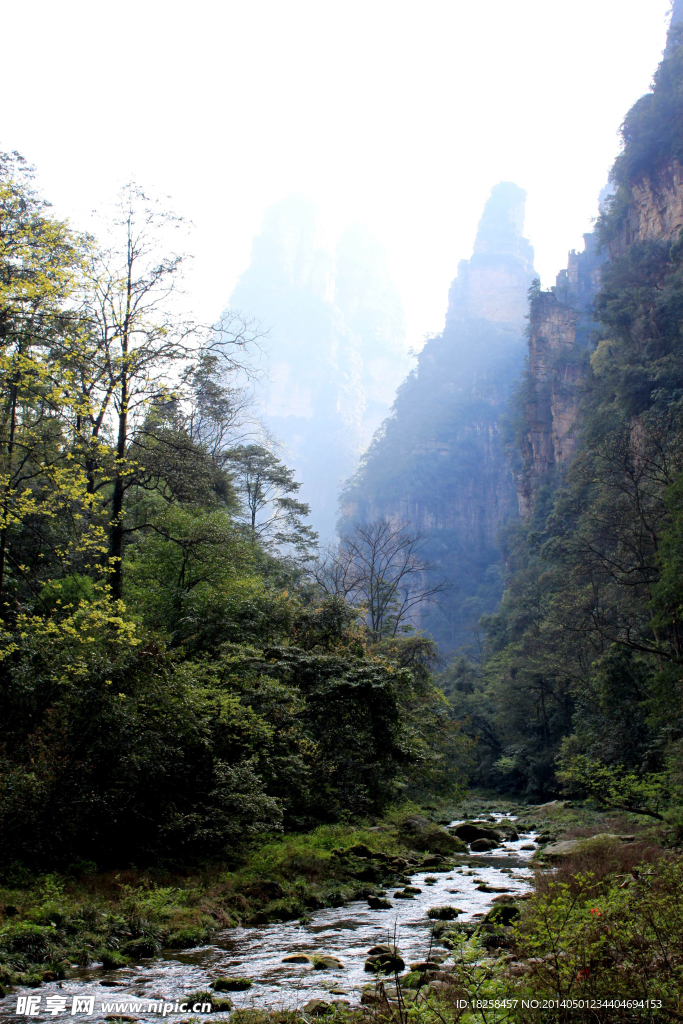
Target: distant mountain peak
493, 284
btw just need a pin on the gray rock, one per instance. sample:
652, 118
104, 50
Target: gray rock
318, 1007
469, 833
483, 845
421, 834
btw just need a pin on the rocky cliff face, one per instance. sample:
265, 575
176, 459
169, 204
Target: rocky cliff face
439, 461
492, 284
647, 206
560, 328
655, 210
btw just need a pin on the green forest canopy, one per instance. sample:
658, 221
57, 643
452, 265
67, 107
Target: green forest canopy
171, 682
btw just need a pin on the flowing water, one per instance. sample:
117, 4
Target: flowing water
257, 953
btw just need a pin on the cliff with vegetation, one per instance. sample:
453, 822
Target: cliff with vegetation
583, 664
438, 463
548, 402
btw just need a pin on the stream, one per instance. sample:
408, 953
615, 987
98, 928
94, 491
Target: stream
257, 952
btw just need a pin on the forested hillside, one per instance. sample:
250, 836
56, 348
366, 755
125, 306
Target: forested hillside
172, 683
582, 674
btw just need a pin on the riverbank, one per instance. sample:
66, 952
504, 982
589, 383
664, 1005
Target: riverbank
51, 922
132, 929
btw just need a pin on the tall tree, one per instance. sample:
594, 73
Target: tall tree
267, 487
41, 261
131, 359
380, 566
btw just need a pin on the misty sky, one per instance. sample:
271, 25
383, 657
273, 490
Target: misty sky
398, 115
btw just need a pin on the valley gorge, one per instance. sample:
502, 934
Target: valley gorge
257, 779
335, 347
439, 461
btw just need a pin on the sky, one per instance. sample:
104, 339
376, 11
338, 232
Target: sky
397, 115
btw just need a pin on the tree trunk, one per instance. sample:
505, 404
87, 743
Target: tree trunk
10, 455
116, 535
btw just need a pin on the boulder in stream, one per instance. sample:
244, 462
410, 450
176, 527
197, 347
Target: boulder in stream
426, 965
470, 832
375, 903
327, 963
231, 984
384, 959
444, 913
421, 834
483, 845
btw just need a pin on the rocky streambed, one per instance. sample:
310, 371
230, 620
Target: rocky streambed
291, 963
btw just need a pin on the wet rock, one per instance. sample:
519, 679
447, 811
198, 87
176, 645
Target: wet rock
412, 888
375, 903
421, 834
218, 1003
469, 833
231, 984
433, 862
298, 958
508, 831
444, 913
403, 895
425, 965
318, 1007
483, 845
327, 963
384, 959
